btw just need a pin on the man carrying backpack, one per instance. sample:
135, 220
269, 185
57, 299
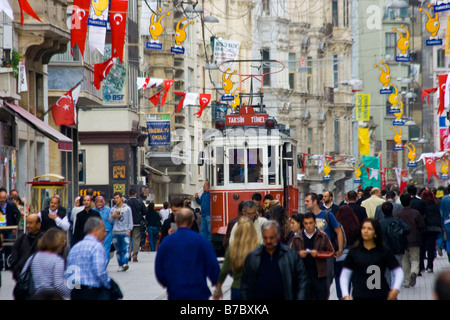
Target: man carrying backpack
395, 232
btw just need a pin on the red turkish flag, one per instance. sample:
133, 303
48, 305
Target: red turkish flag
204, 99
25, 6
430, 165
180, 105
155, 98
101, 70
167, 85
78, 29
442, 81
118, 22
403, 184
64, 110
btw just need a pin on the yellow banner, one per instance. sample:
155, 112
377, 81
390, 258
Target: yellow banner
364, 142
362, 107
447, 44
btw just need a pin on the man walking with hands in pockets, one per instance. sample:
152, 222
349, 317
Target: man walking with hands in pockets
122, 219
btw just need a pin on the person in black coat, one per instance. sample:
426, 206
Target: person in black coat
26, 244
82, 216
433, 228
153, 219
357, 209
138, 210
47, 221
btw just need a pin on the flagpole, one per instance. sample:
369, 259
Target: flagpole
45, 113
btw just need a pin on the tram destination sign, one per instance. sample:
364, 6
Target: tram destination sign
246, 117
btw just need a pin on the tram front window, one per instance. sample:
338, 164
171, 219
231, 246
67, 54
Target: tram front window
237, 165
245, 169
254, 165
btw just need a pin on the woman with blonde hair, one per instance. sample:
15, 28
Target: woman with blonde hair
245, 241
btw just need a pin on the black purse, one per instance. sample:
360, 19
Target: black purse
24, 288
115, 292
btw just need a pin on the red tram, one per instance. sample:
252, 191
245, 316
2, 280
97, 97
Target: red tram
249, 152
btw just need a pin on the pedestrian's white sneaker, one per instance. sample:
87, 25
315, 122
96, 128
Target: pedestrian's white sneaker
120, 269
125, 267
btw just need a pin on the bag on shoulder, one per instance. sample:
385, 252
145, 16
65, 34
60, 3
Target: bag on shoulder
397, 239
334, 240
24, 288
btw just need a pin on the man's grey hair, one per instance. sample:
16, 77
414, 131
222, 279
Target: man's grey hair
249, 204
269, 224
91, 224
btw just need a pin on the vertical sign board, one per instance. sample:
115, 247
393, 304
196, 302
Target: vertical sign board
158, 127
362, 107
119, 155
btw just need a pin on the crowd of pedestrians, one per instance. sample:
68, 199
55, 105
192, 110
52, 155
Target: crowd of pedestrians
373, 245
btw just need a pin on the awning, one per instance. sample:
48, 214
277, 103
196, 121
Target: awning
156, 175
64, 143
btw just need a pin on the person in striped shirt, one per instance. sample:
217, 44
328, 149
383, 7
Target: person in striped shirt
47, 265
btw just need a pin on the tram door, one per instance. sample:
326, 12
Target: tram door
289, 178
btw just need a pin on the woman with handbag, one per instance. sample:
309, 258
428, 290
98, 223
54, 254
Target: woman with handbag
48, 265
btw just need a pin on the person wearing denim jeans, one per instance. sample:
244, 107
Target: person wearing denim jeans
153, 219
104, 211
122, 218
205, 202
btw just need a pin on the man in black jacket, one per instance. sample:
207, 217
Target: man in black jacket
138, 210
273, 271
82, 216
54, 216
416, 202
26, 244
357, 209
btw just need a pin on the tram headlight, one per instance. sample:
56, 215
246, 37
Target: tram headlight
220, 125
270, 123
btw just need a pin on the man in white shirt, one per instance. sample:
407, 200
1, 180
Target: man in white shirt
54, 216
249, 210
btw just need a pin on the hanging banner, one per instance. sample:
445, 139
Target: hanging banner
447, 38
158, 127
226, 50
362, 107
443, 139
118, 23
78, 29
22, 83
115, 85
370, 163
97, 24
364, 141
442, 78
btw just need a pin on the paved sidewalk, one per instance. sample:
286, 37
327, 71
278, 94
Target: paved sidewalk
139, 282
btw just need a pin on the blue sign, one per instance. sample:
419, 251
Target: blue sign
158, 133
154, 45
